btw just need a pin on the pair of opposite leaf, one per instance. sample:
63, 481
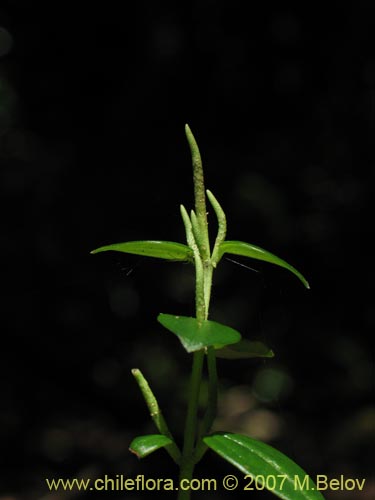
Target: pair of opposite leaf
170, 250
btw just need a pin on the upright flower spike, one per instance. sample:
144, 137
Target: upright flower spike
199, 271
222, 227
199, 195
158, 419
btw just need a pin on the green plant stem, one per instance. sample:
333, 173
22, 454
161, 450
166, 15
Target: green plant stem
211, 411
212, 391
187, 460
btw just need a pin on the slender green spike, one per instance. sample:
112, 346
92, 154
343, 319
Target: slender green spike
195, 228
222, 227
198, 236
190, 239
199, 193
156, 413
199, 272
200, 197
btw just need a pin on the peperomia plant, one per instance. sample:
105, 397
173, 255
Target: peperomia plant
206, 340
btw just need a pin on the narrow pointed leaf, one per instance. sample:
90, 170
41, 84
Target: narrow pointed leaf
194, 336
245, 349
168, 250
261, 462
254, 252
144, 445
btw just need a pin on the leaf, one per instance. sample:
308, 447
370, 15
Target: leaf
245, 349
144, 445
254, 252
169, 250
194, 336
262, 462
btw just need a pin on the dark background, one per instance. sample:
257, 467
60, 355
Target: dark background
93, 102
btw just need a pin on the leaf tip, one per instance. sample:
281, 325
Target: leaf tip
304, 281
99, 250
135, 453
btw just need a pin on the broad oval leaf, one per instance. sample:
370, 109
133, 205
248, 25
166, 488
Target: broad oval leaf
144, 445
245, 349
169, 250
254, 252
259, 460
194, 336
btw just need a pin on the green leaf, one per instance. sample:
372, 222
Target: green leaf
254, 252
267, 466
144, 445
169, 250
195, 336
245, 349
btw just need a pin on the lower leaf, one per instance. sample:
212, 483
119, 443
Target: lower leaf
268, 467
144, 445
245, 349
